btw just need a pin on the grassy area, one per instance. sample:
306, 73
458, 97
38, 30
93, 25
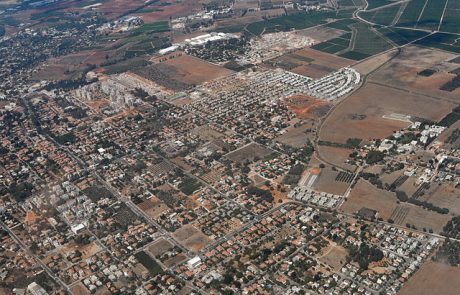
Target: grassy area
231, 29
402, 36
189, 185
296, 21
432, 14
411, 13
149, 10
125, 65
155, 27
151, 265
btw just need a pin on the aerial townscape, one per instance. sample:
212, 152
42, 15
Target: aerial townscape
230, 147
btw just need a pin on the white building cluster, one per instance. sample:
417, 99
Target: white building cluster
117, 93
334, 85
269, 46
198, 41
260, 87
123, 24
307, 195
118, 89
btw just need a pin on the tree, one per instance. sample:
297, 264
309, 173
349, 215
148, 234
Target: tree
402, 196
374, 157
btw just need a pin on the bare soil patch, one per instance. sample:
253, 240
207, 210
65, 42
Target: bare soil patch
179, 71
153, 207
361, 115
433, 278
366, 195
191, 238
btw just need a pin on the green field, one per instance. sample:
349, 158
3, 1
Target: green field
343, 24
334, 45
296, 21
432, 14
444, 41
377, 3
155, 27
384, 16
367, 41
354, 55
151, 265
451, 20
402, 36
346, 3
411, 13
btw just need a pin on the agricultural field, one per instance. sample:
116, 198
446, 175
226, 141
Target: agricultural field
371, 64
377, 3
431, 15
411, 14
342, 24
451, 137
321, 33
444, 41
155, 27
444, 196
320, 65
334, 45
421, 218
450, 118
329, 181
361, 41
368, 41
296, 21
384, 16
451, 21
402, 36
348, 3
428, 15
164, 9
403, 71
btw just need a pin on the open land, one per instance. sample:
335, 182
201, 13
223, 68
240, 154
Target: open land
181, 71
192, 238
433, 276
362, 114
